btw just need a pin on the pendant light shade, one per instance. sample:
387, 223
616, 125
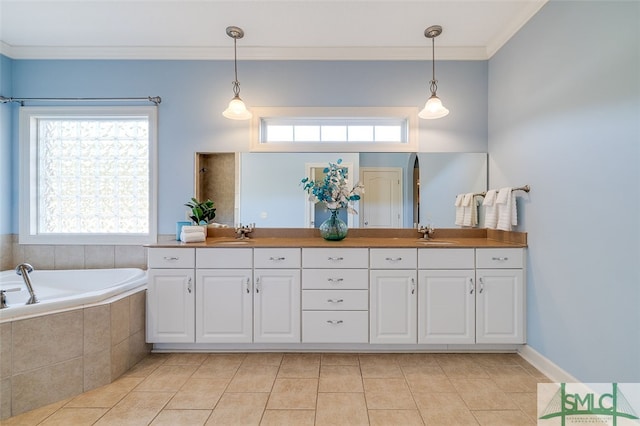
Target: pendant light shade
433, 108
236, 110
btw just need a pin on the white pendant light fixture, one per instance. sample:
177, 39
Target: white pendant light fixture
236, 109
433, 108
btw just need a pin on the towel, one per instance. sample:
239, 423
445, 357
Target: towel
490, 209
193, 228
470, 214
192, 237
459, 209
507, 214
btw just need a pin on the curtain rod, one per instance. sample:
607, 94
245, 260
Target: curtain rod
155, 99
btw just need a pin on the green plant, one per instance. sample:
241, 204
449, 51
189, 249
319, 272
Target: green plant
201, 211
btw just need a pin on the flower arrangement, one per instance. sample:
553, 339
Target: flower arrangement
333, 190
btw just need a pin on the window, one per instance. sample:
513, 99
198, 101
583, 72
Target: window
334, 129
88, 175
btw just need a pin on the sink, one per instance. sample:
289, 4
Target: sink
435, 243
232, 243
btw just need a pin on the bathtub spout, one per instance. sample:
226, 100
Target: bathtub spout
24, 269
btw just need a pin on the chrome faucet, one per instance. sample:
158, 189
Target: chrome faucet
24, 269
426, 231
242, 231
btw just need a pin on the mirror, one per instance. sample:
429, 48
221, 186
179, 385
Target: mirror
264, 188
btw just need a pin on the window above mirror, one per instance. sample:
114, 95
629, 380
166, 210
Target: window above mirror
307, 129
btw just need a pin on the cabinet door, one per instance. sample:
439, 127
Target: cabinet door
224, 307
276, 307
500, 306
393, 306
446, 307
170, 306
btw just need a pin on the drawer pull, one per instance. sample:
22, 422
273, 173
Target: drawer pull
248, 290
335, 321
500, 259
171, 258
335, 300
413, 286
471, 286
481, 285
276, 259
334, 259
189, 285
393, 259
257, 285
335, 280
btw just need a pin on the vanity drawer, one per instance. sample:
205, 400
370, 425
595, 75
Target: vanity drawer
224, 258
335, 327
276, 258
335, 258
500, 258
459, 258
171, 258
352, 279
393, 258
335, 300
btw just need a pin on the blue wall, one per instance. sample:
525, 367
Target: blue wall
564, 117
194, 93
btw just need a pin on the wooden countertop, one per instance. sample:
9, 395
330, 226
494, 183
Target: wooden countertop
359, 238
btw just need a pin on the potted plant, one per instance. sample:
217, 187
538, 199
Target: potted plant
202, 212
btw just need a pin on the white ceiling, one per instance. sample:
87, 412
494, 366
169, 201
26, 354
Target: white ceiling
291, 29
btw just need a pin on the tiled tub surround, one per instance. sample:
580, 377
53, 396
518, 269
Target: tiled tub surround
56, 356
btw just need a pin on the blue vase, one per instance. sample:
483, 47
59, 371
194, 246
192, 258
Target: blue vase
333, 229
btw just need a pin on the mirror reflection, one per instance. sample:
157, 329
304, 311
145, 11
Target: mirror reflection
401, 189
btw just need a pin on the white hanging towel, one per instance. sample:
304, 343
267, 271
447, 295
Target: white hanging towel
459, 209
468, 204
507, 214
490, 209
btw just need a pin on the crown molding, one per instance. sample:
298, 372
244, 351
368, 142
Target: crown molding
513, 26
245, 53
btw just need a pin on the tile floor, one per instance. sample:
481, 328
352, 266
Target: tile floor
307, 389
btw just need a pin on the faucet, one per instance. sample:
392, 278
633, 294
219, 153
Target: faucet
242, 231
426, 231
24, 269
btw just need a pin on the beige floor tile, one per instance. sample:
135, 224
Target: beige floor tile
418, 359
216, 371
230, 360
253, 378
106, 396
340, 359
497, 359
455, 417
527, 402
378, 359
488, 400
395, 417
465, 370
292, 401
264, 358
181, 417
34, 417
299, 370
167, 378
288, 418
198, 394
340, 378
439, 401
503, 418
429, 384
341, 409
295, 385
186, 359
137, 408
388, 371
306, 358
517, 384
474, 385
388, 394
147, 366
239, 409
455, 359
423, 370
74, 416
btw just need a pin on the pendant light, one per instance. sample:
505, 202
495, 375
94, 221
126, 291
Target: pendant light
236, 109
433, 108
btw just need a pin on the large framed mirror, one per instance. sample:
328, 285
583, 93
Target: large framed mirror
401, 188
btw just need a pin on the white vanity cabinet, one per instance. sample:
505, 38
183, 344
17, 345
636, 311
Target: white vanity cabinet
446, 296
276, 298
500, 295
335, 295
170, 295
393, 296
224, 289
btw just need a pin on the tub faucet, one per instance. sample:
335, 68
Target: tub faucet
24, 269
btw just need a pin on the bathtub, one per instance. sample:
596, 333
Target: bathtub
60, 290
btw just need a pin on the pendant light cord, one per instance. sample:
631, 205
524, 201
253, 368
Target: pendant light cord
433, 84
236, 83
